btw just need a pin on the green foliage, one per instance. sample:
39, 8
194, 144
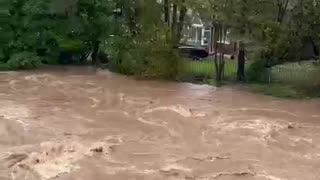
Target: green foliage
281, 44
23, 60
257, 72
69, 44
161, 61
95, 17
27, 28
52, 25
148, 59
142, 44
51, 56
4, 67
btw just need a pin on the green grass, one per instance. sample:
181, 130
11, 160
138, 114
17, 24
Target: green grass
303, 74
292, 80
278, 90
206, 69
289, 80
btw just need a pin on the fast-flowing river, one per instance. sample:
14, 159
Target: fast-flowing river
78, 124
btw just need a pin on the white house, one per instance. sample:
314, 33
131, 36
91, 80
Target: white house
198, 32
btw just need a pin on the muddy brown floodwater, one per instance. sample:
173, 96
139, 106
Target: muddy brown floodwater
77, 124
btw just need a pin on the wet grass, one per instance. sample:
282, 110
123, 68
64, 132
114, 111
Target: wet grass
290, 81
278, 90
304, 74
205, 69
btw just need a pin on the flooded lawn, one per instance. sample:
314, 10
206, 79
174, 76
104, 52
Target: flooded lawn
77, 124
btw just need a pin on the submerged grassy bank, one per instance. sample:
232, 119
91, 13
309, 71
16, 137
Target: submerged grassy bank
290, 80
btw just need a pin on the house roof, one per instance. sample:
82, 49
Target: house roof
196, 20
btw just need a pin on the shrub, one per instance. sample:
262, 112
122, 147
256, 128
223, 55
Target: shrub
69, 43
3, 67
2, 58
160, 60
288, 48
51, 57
257, 72
120, 48
23, 60
143, 57
282, 44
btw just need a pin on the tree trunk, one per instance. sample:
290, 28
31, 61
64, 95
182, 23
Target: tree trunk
174, 20
241, 62
182, 15
241, 53
282, 9
166, 12
94, 56
223, 53
216, 58
174, 16
315, 48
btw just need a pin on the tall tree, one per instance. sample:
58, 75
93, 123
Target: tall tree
282, 9
96, 18
167, 11
242, 50
181, 23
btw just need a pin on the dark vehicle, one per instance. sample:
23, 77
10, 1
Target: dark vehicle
195, 53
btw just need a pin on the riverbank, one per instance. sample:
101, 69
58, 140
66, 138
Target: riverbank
290, 80
284, 78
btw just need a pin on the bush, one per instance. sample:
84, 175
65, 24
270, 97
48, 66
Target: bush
51, 57
160, 61
23, 60
257, 72
283, 44
2, 56
144, 58
288, 47
69, 43
4, 67
120, 48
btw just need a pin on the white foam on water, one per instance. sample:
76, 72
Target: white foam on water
10, 110
269, 177
176, 167
257, 125
39, 77
15, 112
55, 158
174, 108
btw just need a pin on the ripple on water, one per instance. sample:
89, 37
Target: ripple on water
239, 136
179, 109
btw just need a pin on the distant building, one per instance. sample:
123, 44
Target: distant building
199, 32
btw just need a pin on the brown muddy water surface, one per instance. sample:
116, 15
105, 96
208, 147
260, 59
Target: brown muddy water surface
75, 124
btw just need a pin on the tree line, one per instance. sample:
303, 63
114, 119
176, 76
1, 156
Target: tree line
142, 35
